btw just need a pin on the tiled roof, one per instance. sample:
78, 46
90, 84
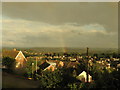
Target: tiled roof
9, 53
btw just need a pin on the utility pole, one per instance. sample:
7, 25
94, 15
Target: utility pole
36, 64
87, 65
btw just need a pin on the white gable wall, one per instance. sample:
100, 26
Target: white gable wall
84, 75
20, 52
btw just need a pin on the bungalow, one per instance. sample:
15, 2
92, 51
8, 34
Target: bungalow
83, 77
17, 55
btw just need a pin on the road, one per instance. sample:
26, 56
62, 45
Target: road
14, 81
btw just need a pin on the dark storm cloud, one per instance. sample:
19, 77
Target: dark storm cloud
57, 24
57, 13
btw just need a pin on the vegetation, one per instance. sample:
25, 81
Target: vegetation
50, 79
30, 68
66, 77
9, 63
60, 78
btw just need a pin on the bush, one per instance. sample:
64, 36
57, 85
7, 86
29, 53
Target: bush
9, 63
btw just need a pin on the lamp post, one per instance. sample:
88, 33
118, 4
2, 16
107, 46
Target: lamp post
32, 69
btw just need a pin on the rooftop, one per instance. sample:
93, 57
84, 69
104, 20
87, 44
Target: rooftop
9, 53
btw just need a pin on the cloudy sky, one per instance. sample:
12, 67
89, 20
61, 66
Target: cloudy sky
60, 24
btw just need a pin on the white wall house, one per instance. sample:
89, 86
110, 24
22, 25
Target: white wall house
83, 77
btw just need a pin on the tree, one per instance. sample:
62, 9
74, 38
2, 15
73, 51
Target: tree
8, 62
95, 54
29, 68
114, 55
50, 79
72, 86
107, 56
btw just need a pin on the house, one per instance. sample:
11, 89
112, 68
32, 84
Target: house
48, 66
73, 59
17, 55
107, 65
118, 67
71, 64
60, 64
83, 77
116, 59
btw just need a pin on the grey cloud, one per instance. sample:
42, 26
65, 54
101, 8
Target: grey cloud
104, 13
54, 24
55, 38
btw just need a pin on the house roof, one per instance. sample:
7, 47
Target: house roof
84, 73
47, 63
44, 65
9, 53
53, 61
20, 52
72, 64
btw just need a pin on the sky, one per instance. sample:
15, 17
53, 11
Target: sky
60, 24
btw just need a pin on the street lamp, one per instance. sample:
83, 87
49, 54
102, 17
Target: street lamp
32, 69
